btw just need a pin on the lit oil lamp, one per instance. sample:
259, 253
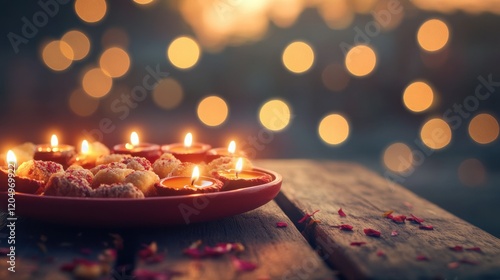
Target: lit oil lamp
138, 149
238, 178
187, 151
221, 152
178, 185
55, 152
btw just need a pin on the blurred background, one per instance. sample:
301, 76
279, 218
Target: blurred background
407, 88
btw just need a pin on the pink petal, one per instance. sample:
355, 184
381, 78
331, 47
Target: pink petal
242, 265
415, 219
306, 216
380, 253
426, 227
371, 232
422, 258
394, 233
346, 227
457, 248
359, 243
341, 213
281, 224
398, 219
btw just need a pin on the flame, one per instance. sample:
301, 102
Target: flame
239, 166
53, 141
134, 139
196, 174
232, 147
188, 140
85, 147
11, 158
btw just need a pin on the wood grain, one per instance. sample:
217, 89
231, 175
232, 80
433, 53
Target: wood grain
280, 253
365, 196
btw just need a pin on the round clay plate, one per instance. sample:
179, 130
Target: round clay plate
151, 211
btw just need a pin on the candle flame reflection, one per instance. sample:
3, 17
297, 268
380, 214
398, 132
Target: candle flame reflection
188, 140
85, 147
232, 147
196, 175
54, 142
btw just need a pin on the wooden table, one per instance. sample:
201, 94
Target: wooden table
315, 249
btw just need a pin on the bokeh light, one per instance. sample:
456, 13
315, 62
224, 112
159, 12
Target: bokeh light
91, 11
472, 172
333, 129
183, 52
336, 13
484, 128
275, 115
115, 62
144, 2
436, 134
212, 110
114, 37
398, 157
335, 77
81, 104
96, 83
360, 60
79, 43
168, 93
57, 55
298, 57
418, 96
433, 35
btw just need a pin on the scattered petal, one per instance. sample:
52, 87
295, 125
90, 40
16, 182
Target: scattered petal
281, 224
453, 265
148, 251
400, 219
457, 248
394, 233
380, 253
388, 214
422, 258
426, 227
360, 243
242, 265
415, 219
341, 213
345, 227
475, 249
371, 232
306, 216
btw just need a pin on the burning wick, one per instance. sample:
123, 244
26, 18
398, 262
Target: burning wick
239, 167
196, 175
231, 148
188, 140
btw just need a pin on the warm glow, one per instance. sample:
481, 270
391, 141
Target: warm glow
85, 147
472, 172
433, 35
360, 60
418, 96
183, 52
212, 111
115, 62
96, 83
11, 158
57, 55
398, 157
231, 148
134, 138
239, 166
335, 77
196, 174
54, 142
298, 57
333, 129
337, 14
90, 10
436, 133
275, 115
82, 104
79, 43
168, 93
484, 128
144, 2
188, 140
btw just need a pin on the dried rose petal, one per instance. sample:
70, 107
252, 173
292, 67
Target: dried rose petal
341, 213
388, 214
457, 248
415, 219
371, 232
380, 253
306, 216
453, 265
281, 224
358, 243
476, 249
398, 219
422, 258
345, 227
467, 261
242, 265
394, 233
148, 251
426, 227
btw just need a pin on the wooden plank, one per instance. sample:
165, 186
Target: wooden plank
364, 196
279, 252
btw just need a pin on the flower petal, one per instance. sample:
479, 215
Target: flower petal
281, 224
341, 213
371, 232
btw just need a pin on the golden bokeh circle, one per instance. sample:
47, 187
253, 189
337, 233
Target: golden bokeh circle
184, 52
275, 115
334, 129
436, 133
298, 57
212, 110
360, 60
484, 128
433, 35
418, 96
